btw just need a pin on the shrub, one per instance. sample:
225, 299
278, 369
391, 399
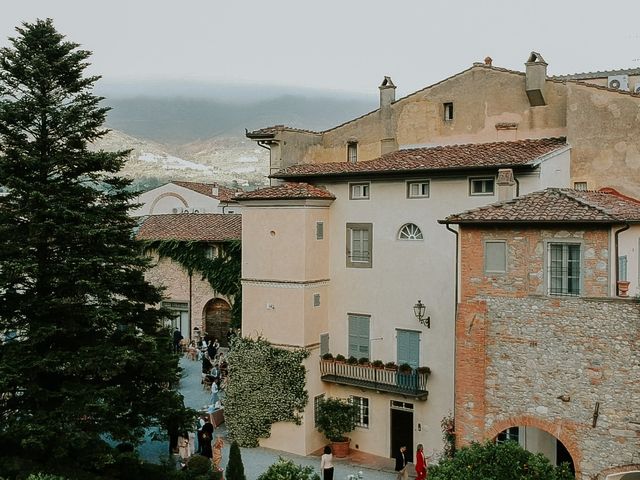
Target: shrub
285, 469
44, 476
336, 416
340, 358
352, 360
198, 465
378, 363
327, 356
390, 365
363, 360
497, 460
235, 468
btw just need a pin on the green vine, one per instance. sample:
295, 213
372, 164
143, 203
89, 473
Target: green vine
223, 272
266, 385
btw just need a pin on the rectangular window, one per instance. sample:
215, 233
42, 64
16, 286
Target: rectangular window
352, 152
418, 189
481, 186
316, 299
359, 245
324, 343
564, 269
178, 315
580, 185
316, 403
359, 191
362, 418
495, 256
319, 230
509, 435
213, 251
358, 336
622, 268
448, 111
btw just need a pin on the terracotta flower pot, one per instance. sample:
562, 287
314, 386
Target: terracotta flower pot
340, 449
623, 288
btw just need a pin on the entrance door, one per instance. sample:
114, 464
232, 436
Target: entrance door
217, 319
402, 430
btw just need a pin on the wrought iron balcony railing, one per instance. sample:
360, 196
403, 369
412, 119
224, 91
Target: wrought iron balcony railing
413, 384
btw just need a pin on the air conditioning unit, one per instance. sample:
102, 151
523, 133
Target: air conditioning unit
637, 89
618, 82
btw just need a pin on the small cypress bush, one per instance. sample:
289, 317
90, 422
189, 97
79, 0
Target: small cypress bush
235, 468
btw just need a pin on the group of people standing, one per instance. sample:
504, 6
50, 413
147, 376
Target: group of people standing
420, 465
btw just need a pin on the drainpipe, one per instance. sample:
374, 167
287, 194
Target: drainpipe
616, 248
515, 179
455, 317
190, 301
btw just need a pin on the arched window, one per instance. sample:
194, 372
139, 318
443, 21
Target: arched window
410, 231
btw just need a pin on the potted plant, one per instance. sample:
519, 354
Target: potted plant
364, 361
377, 364
623, 288
352, 360
405, 368
327, 357
426, 370
340, 358
391, 366
335, 418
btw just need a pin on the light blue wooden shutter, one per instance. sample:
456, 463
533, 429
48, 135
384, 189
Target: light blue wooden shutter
358, 336
324, 343
408, 343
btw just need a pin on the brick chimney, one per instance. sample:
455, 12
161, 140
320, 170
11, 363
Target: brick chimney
506, 184
388, 142
535, 80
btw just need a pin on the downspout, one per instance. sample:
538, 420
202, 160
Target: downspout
515, 179
455, 320
190, 300
616, 250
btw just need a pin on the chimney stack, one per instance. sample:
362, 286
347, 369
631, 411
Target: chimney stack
387, 92
215, 190
506, 184
535, 79
488, 61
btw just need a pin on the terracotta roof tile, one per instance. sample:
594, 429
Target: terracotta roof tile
270, 131
224, 194
598, 74
287, 191
449, 157
555, 205
203, 227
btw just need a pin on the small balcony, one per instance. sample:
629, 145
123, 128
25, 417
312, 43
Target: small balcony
412, 384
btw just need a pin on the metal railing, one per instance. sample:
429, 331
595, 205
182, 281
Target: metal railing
393, 381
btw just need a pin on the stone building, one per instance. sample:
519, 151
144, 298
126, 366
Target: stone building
194, 302
547, 338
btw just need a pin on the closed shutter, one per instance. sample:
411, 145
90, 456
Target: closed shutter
324, 343
408, 343
358, 336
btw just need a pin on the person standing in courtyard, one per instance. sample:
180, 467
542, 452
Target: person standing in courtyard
401, 464
326, 464
177, 337
421, 463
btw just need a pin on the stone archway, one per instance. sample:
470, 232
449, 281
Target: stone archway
217, 318
628, 472
565, 433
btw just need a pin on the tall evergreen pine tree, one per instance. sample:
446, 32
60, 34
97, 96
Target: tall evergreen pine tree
235, 468
83, 355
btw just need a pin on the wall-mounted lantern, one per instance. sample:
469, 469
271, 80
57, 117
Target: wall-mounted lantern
419, 310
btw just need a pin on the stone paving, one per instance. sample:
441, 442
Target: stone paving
257, 460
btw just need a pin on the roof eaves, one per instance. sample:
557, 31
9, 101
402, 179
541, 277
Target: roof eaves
547, 156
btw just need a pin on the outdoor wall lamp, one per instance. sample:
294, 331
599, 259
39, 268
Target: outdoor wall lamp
419, 309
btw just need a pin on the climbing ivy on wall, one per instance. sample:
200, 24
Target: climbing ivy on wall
266, 385
223, 272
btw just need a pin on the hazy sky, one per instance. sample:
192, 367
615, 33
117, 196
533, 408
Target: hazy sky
336, 44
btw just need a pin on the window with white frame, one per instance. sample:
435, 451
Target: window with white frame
448, 111
316, 405
359, 245
495, 256
418, 189
564, 268
362, 417
410, 231
482, 186
359, 191
509, 435
212, 251
352, 152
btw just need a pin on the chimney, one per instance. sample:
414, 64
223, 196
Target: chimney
215, 190
535, 79
488, 61
387, 92
506, 184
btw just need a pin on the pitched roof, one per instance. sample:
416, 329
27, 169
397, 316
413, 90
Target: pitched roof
287, 191
269, 132
224, 194
428, 159
555, 205
202, 227
598, 74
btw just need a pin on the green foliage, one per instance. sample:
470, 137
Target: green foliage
235, 468
198, 464
490, 461
44, 476
336, 417
266, 385
285, 469
223, 272
88, 359
448, 435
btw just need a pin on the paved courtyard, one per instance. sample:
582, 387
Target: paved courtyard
257, 460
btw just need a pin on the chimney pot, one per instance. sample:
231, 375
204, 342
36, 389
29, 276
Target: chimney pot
387, 92
488, 61
505, 183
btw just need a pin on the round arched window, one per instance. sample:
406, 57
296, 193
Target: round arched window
410, 231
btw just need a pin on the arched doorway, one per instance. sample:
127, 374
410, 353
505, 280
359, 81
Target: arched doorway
217, 318
634, 475
536, 440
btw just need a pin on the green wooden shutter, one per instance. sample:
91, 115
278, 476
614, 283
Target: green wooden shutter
408, 344
324, 343
358, 336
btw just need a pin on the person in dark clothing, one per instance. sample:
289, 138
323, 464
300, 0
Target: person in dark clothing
206, 438
401, 464
177, 337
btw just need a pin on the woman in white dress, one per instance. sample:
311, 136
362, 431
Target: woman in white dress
326, 464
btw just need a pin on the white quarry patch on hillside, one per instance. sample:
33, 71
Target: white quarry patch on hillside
171, 162
247, 159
